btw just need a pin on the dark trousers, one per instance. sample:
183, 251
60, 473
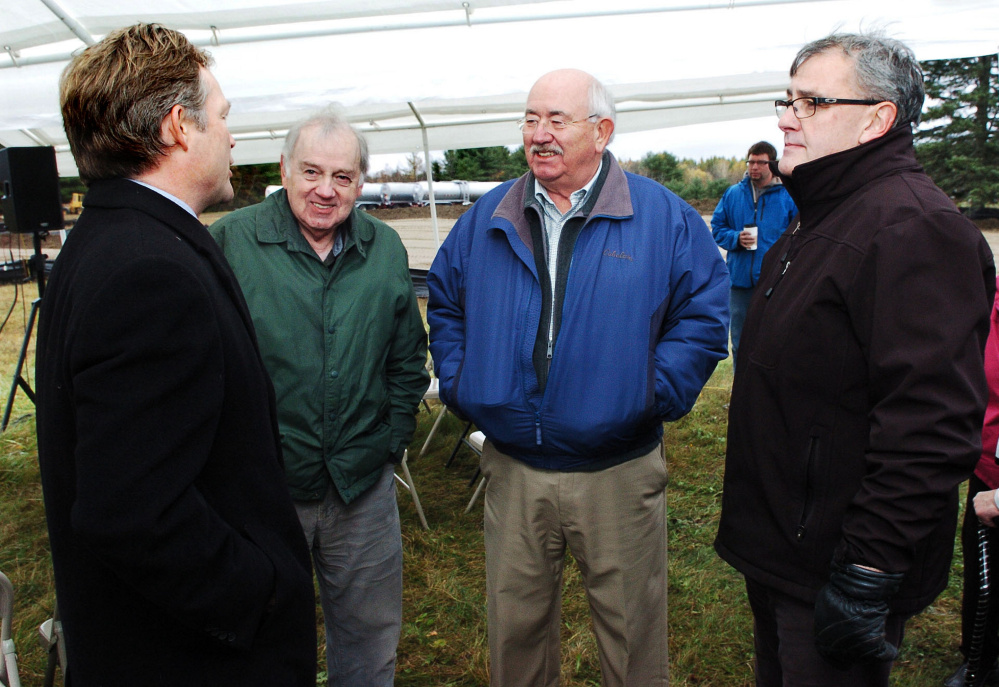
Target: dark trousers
969, 542
785, 645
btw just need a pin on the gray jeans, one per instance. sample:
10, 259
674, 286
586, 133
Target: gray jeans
357, 554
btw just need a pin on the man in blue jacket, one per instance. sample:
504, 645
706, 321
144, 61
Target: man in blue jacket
749, 218
571, 312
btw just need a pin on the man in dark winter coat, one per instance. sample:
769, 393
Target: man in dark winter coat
177, 552
858, 406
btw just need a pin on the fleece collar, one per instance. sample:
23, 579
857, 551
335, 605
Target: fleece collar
613, 199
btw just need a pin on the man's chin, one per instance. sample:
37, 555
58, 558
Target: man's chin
221, 195
543, 172
225, 195
787, 164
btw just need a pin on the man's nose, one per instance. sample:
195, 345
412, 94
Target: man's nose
542, 134
788, 120
325, 187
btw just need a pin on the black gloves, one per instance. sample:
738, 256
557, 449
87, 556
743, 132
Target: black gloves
850, 615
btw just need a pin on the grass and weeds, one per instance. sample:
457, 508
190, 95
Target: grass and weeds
444, 627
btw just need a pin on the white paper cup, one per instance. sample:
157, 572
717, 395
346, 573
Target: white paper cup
754, 231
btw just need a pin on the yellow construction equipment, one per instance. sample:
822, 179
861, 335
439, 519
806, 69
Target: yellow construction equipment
75, 205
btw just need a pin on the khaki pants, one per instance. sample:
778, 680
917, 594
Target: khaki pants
614, 522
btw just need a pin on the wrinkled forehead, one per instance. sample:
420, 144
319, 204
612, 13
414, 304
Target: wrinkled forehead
317, 141
829, 74
558, 94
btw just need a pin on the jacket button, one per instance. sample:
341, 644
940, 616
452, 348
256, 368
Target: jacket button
331, 329
332, 415
334, 374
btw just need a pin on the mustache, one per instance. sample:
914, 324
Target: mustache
546, 148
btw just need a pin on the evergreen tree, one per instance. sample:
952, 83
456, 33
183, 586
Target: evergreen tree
495, 163
663, 167
959, 146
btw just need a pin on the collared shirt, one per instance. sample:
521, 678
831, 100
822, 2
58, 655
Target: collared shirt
552, 220
338, 243
297, 239
170, 196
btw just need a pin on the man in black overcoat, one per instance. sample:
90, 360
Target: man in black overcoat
178, 556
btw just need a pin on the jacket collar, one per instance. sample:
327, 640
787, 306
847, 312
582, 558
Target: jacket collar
274, 218
124, 193
819, 186
775, 183
613, 199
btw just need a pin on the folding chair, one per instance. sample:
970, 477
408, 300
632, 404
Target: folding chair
8, 667
52, 641
475, 442
462, 439
411, 487
432, 394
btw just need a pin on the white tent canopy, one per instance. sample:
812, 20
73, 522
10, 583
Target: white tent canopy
457, 72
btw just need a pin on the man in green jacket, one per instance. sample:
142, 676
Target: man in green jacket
343, 340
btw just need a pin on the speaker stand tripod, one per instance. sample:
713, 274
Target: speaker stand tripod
38, 259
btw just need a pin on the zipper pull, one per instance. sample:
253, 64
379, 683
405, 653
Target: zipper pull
537, 428
787, 263
549, 349
779, 277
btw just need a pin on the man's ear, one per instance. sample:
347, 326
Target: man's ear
605, 128
881, 123
175, 127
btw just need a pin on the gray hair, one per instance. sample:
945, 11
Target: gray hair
886, 70
330, 121
602, 103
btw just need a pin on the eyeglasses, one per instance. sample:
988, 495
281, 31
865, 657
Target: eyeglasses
805, 106
750, 163
531, 123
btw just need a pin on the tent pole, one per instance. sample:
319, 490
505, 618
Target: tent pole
430, 176
71, 23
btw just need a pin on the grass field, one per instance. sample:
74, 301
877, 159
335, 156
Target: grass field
444, 626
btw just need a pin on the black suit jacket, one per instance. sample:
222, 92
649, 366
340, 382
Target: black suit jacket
178, 555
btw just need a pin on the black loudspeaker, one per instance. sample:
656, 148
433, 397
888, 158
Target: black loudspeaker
29, 190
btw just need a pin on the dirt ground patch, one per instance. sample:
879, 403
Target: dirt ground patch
443, 212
